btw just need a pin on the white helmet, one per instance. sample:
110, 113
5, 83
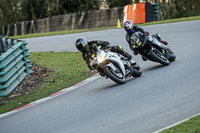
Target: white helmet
128, 25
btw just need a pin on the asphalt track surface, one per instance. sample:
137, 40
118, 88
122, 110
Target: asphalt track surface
160, 97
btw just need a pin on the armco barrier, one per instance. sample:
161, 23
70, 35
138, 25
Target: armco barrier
14, 65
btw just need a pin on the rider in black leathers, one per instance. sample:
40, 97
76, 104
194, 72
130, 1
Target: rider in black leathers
88, 49
130, 28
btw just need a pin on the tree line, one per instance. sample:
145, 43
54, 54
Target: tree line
178, 8
13, 11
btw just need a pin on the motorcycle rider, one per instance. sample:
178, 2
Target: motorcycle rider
130, 28
88, 49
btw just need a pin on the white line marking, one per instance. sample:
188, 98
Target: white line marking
177, 123
61, 92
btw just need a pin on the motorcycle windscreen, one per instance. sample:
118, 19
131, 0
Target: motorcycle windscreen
135, 13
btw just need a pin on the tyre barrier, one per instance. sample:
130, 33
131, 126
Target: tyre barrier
6, 43
14, 64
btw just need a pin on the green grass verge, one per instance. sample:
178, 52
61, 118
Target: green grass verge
172, 20
102, 28
69, 68
190, 126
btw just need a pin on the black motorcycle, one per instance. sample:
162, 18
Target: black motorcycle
151, 48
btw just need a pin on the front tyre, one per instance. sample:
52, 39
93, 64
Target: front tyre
171, 55
113, 75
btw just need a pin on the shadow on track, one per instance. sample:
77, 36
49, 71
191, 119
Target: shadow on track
149, 68
110, 86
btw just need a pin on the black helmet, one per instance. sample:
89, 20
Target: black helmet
82, 44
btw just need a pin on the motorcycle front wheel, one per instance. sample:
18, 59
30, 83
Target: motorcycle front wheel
171, 55
115, 76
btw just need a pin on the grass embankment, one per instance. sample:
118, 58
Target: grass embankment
103, 28
190, 126
69, 68
172, 20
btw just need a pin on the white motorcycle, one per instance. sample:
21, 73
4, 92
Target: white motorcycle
114, 66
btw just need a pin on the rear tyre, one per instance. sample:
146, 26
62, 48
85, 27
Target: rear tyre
113, 76
137, 72
159, 57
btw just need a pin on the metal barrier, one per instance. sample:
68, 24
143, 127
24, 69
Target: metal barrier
14, 64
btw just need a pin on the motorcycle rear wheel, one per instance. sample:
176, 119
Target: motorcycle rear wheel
113, 76
159, 57
137, 72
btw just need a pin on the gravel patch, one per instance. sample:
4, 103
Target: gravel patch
30, 83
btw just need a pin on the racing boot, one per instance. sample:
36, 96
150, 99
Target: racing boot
129, 57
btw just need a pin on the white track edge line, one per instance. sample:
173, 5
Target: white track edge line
177, 123
64, 91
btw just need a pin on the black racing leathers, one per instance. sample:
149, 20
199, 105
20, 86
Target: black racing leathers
129, 34
89, 55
